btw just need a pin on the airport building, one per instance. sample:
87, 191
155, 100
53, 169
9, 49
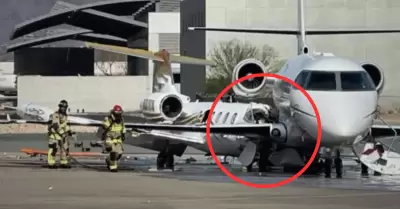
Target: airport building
48, 52
167, 25
382, 49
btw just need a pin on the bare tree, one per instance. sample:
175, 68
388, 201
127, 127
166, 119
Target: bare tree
110, 68
228, 54
111, 63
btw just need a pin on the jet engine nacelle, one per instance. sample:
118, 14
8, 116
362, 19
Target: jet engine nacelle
278, 132
255, 87
376, 74
169, 106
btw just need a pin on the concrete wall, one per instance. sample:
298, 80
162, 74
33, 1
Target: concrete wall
328, 14
163, 23
94, 94
7, 67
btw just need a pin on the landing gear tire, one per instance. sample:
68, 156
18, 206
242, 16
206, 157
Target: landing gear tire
160, 161
165, 161
315, 168
170, 162
328, 167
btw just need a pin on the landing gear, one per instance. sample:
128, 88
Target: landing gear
263, 159
338, 164
364, 170
328, 167
165, 161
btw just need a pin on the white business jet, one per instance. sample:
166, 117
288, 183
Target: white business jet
345, 92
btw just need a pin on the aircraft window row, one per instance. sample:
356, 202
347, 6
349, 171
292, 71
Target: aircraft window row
226, 117
335, 81
217, 117
233, 119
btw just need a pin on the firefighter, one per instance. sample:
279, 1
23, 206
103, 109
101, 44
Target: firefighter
58, 133
113, 137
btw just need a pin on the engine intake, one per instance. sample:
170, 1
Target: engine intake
171, 106
252, 87
376, 74
162, 106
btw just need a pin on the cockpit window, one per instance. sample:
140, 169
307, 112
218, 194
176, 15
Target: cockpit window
335, 81
317, 80
356, 81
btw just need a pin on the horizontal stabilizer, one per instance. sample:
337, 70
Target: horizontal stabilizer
126, 51
2, 98
297, 32
148, 54
10, 108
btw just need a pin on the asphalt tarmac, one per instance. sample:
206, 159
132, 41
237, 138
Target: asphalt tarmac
25, 183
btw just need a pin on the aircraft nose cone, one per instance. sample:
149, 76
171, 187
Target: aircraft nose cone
347, 127
344, 116
344, 124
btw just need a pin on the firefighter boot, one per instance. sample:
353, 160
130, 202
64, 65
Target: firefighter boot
51, 156
113, 162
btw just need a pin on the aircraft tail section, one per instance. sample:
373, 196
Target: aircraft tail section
162, 73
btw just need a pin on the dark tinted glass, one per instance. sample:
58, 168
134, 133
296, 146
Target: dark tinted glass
356, 81
317, 80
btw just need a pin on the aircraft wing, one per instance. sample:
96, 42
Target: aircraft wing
148, 54
231, 129
385, 131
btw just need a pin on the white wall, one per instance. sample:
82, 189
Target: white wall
329, 14
7, 67
92, 93
162, 22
